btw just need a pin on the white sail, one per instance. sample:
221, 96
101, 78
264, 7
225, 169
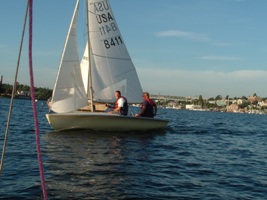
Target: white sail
69, 93
111, 66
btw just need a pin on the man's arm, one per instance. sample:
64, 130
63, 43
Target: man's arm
120, 104
155, 110
141, 112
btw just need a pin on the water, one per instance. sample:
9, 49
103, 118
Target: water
201, 155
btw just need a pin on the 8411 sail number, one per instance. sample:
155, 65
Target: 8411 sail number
114, 41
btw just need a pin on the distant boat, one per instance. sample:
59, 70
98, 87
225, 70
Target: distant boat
106, 66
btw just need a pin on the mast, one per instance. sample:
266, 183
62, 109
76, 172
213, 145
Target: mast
90, 82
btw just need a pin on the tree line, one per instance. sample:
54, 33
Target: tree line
40, 93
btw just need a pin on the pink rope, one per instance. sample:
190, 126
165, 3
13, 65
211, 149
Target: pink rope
34, 104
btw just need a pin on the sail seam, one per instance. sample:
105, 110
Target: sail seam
111, 57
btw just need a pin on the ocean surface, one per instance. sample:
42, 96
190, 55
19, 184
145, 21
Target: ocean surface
201, 155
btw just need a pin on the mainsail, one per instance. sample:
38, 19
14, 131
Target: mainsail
111, 66
69, 93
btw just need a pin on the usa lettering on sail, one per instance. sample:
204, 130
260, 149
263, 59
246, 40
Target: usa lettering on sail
101, 6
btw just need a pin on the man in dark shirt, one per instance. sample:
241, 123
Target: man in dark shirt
148, 108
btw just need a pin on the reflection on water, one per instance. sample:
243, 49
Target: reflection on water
88, 162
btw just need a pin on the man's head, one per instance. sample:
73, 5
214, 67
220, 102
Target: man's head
117, 94
145, 95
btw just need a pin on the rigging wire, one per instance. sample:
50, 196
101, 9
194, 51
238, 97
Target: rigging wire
37, 138
13, 92
28, 9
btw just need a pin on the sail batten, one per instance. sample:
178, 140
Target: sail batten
115, 58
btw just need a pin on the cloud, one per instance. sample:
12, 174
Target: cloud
207, 83
184, 34
193, 36
226, 58
249, 74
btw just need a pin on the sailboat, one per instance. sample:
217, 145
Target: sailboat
106, 66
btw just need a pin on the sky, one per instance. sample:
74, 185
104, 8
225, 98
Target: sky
179, 47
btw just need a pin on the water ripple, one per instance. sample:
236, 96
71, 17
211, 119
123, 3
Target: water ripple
201, 155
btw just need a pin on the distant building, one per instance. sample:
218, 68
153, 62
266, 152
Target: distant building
232, 108
221, 103
262, 103
193, 107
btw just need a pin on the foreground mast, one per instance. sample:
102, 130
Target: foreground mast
90, 82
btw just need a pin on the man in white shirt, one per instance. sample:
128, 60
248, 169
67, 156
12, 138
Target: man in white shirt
120, 105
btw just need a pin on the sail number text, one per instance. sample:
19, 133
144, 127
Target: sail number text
114, 41
106, 29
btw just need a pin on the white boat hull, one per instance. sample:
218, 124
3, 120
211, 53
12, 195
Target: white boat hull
103, 122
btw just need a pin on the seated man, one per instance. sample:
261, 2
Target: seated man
120, 105
148, 108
